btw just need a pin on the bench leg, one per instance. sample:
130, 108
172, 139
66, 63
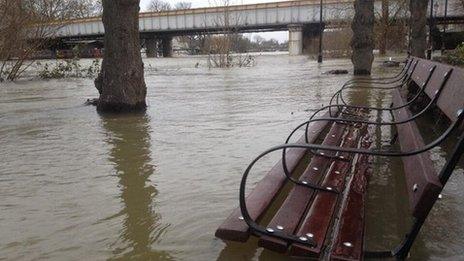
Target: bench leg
402, 251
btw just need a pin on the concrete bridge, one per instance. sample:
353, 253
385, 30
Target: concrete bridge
300, 18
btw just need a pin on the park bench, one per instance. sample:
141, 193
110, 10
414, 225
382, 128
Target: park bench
312, 202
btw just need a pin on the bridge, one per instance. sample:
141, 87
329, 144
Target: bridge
301, 18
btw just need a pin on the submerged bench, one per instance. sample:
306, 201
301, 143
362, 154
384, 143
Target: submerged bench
312, 202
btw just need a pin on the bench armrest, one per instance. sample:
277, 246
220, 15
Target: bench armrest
382, 80
257, 229
339, 94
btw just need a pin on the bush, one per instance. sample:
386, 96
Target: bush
70, 69
454, 57
230, 60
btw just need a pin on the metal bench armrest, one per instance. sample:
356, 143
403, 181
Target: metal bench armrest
257, 229
386, 80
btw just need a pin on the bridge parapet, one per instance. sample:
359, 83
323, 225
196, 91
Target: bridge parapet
300, 18
256, 17
253, 17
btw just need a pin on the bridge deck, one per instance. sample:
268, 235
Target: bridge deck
253, 17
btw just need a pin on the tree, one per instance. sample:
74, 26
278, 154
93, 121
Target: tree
418, 22
220, 47
362, 42
258, 39
390, 25
85, 8
121, 81
384, 27
159, 6
183, 6
24, 29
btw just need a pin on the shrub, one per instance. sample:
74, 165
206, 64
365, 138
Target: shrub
454, 57
70, 68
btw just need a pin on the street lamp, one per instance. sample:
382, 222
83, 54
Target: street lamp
443, 42
321, 30
430, 50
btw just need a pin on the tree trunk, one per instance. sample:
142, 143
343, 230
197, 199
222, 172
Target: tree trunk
384, 27
121, 82
418, 44
362, 42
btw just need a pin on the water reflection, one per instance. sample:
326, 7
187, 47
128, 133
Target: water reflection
129, 136
385, 226
238, 251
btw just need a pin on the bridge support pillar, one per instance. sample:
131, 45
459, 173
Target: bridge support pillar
295, 39
311, 38
166, 43
151, 47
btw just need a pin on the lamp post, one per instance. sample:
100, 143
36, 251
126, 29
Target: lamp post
443, 43
321, 30
430, 50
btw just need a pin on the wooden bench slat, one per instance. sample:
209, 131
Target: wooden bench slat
421, 73
320, 216
422, 180
265, 191
451, 99
294, 206
349, 232
411, 67
436, 80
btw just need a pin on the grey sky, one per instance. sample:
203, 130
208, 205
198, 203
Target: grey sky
280, 36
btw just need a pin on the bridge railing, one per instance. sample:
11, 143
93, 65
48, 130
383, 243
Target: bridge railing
271, 16
265, 16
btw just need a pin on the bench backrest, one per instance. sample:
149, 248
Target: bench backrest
424, 74
422, 180
451, 98
410, 67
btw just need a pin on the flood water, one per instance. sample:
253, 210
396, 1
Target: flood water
76, 185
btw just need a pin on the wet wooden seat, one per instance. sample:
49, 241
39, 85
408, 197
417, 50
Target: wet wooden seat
259, 200
335, 221
302, 207
306, 212
439, 83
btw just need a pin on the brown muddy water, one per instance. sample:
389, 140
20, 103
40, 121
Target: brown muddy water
76, 185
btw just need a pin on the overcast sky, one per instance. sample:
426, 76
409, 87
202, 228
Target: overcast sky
280, 36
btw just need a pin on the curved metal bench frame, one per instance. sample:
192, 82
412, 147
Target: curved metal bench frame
383, 80
404, 82
406, 245
354, 121
345, 106
403, 249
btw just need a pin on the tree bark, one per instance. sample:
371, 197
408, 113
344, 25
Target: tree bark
418, 44
384, 27
362, 42
121, 82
